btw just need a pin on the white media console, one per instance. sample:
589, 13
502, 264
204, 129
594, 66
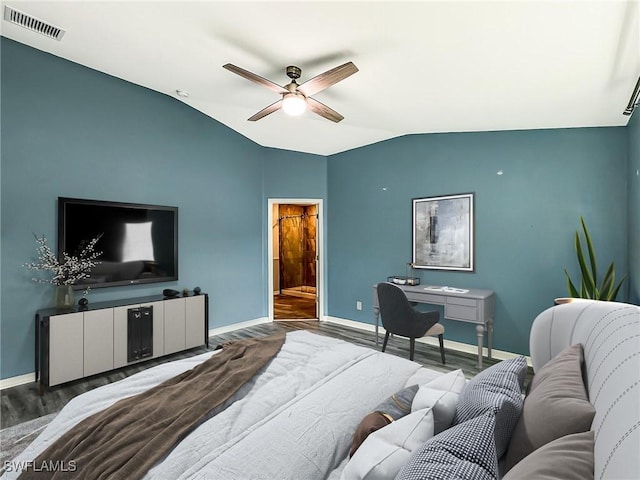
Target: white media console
82, 341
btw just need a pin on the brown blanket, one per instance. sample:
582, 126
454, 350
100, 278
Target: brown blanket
125, 440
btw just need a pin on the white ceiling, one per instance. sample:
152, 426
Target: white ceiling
425, 67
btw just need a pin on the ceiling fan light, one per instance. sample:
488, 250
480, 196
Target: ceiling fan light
294, 104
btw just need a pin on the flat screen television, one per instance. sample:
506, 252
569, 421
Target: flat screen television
139, 243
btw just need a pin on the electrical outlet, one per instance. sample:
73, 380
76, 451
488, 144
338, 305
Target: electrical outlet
358, 305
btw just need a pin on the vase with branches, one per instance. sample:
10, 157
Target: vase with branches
589, 286
66, 270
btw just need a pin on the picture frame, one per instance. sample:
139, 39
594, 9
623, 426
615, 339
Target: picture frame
443, 232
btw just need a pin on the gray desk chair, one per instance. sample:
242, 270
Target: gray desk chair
400, 318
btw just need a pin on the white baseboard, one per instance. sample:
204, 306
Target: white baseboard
450, 344
19, 380
238, 326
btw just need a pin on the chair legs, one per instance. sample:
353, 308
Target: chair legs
412, 346
386, 339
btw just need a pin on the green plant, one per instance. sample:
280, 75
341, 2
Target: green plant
607, 290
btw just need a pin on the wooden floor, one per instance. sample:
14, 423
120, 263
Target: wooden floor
22, 403
293, 306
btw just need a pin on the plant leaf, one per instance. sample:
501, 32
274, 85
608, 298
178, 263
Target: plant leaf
587, 279
614, 294
589, 287
606, 287
584, 291
592, 253
571, 289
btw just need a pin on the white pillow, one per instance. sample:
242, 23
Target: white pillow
422, 376
428, 396
449, 382
385, 451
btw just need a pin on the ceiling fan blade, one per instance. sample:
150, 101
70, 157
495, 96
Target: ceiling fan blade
326, 79
321, 109
255, 78
266, 111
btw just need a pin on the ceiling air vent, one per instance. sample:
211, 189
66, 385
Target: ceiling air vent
27, 21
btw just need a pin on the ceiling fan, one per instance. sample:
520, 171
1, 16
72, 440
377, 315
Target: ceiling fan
297, 98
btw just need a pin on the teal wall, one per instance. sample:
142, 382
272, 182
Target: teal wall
633, 132
525, 219
71, 131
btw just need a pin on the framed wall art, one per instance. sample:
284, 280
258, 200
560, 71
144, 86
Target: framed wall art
443, 232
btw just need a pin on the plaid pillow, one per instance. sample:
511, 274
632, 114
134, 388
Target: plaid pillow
497, 389
464, 452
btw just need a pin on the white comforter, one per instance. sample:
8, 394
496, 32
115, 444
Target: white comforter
294, 420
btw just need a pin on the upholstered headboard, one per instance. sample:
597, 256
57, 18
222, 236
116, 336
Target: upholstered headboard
610, 335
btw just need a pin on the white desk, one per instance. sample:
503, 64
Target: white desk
464, 305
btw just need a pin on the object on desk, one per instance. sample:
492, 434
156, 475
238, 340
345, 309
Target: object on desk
409, 273
402, 280
454, 290
437, 288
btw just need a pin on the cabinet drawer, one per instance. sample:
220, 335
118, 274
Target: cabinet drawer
174, 325
467, 302
459, 312
66, 348
194, 326
98, 341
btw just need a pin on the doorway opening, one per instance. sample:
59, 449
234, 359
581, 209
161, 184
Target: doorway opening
294, 275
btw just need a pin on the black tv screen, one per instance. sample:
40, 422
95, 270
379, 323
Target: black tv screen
139, 243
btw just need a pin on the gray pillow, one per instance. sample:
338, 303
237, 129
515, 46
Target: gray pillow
556, 406
399, 404
465, 452
566, 458
499, 389
396, 406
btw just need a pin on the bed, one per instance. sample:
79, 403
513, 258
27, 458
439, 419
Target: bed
294, 419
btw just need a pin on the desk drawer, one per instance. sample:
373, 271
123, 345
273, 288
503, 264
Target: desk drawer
467, 302
427, 298
459, 312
